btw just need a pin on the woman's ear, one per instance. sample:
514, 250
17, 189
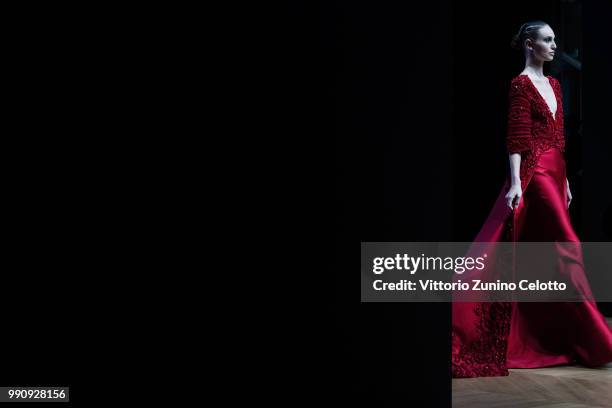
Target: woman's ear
529, 44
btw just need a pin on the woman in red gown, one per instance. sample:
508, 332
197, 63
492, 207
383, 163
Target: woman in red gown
490, 337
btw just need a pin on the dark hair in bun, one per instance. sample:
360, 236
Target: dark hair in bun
527, 30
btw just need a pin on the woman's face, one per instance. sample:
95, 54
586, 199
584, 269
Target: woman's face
544, 46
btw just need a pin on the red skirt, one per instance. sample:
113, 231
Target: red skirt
489, 338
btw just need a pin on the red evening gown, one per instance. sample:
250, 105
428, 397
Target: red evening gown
490, 337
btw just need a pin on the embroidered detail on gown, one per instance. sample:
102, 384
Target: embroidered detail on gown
489, 338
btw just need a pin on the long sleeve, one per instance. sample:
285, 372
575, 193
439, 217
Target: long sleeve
519, 137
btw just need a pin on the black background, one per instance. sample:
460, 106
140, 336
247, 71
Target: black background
65, 201
44, 223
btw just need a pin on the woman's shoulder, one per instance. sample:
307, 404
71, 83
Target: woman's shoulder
553, 81
519, 83
523, 77
520, 78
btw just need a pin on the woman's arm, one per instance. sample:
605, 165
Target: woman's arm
518, 138
515, 166
513, 197
569, 193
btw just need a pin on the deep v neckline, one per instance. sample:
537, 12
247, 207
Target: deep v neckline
553, 115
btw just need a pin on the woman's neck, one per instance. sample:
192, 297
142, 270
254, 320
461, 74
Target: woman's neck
534, 68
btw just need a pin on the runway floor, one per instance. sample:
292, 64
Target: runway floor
555, 387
